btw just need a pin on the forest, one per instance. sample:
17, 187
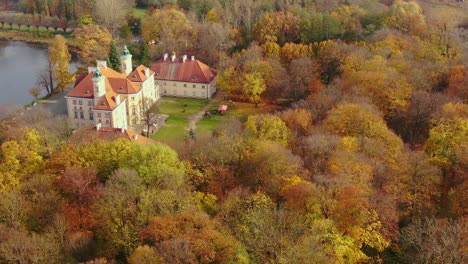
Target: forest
363, 160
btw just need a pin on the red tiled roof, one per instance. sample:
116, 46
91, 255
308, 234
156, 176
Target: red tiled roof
84, 88
114, 81
138, 75
108, 102
123, 86
189, 71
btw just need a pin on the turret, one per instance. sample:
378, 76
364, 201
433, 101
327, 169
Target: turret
126, 61
98, 85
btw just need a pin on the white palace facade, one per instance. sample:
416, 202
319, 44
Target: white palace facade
108, 98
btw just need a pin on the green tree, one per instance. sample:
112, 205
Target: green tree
114, 58
145, 57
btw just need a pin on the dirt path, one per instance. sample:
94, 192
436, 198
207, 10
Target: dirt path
194, 119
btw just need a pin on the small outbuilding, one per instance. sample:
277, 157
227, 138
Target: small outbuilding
222, 109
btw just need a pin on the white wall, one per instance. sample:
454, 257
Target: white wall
186, 89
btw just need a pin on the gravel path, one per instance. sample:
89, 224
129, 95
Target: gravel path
194, 119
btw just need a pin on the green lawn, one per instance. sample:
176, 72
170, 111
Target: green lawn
176, 126
238, 110
139, 12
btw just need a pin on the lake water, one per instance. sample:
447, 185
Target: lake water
20, 67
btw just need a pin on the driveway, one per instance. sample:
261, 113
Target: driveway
56, 103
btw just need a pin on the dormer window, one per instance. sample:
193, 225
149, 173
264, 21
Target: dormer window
134, 76
87, 92
104, 103
195, 77
156, 73
121, 88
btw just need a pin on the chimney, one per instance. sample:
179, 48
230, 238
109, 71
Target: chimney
101, 62
193, 58
165, 56
147, 72
122, 130
91, 69
184, 58
173, 56
98, 126
117, 99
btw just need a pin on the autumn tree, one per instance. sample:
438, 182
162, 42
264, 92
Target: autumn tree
79, 187
446, 147
457, 82
227, 81
111, 13
60, 58
20, 158
200, 236
215, 39
253, 86
448, 247
406, 17
93, 43
169, 27
278, 27
149, 111
117, 213
299, 120
144, 255
268, 127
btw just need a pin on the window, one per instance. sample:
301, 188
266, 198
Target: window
133, 110
107, 114
82, 115
74, 102
80, 102
185, 85
165, 91
76, 114
203, 86
107, 121
194, 86
99, 115
90, 103
91, 116
133, 98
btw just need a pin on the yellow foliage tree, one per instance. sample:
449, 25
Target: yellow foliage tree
60, 58
93, 43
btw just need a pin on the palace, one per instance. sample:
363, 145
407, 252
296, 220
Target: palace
106, 98
109, 98
184, 77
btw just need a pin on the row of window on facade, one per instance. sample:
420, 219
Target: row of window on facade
80, 102
185, 85
91, 115
175, 92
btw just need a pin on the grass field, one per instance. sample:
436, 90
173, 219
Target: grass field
139, 12
179, 110
176, 127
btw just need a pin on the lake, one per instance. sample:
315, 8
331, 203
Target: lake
20, 67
